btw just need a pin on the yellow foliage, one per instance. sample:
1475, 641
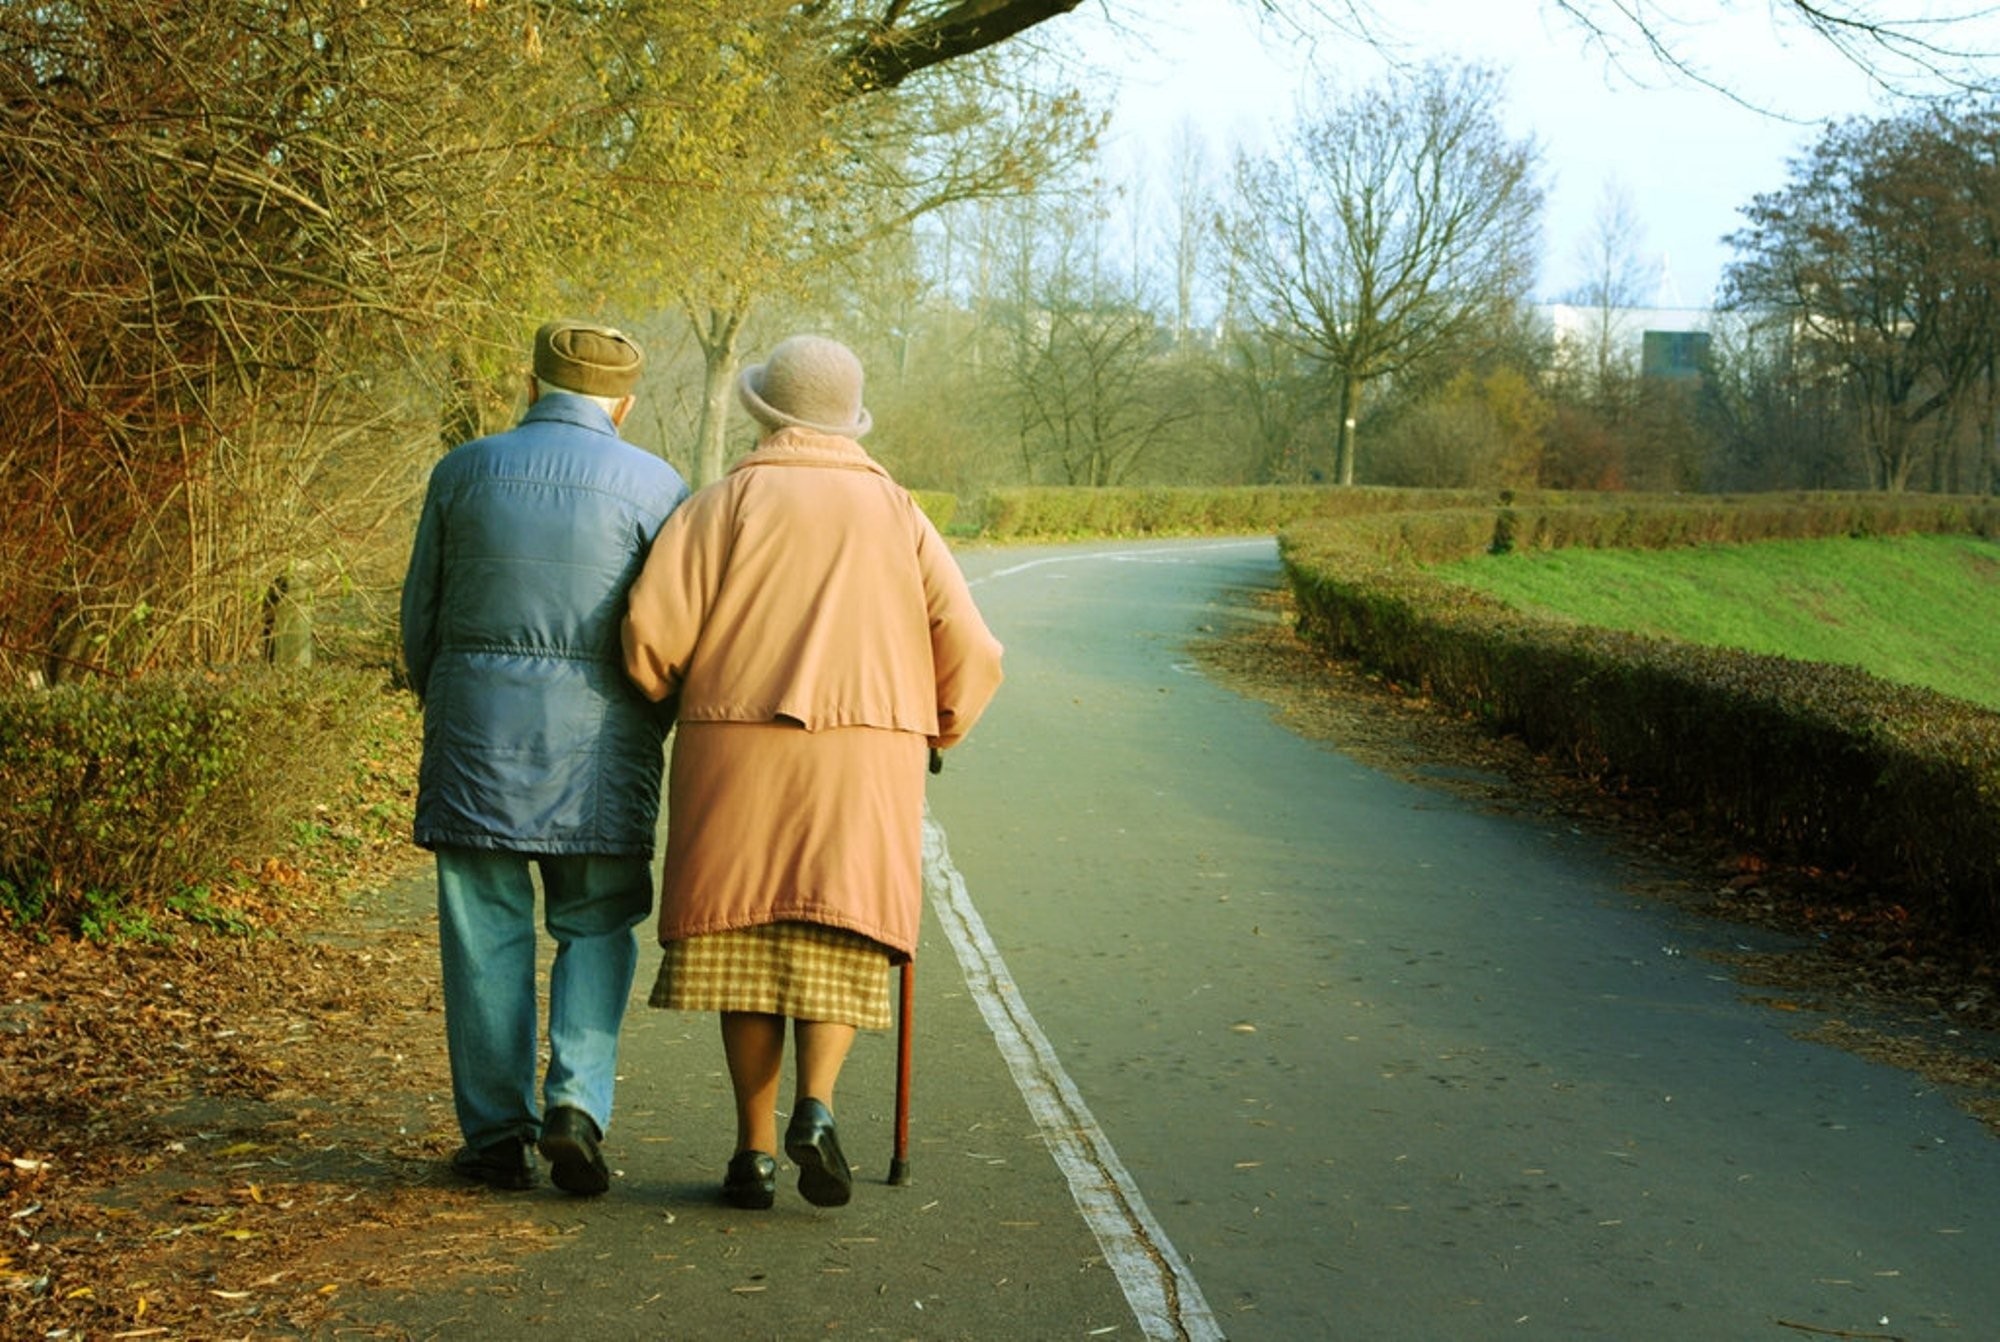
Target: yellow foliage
1520, 415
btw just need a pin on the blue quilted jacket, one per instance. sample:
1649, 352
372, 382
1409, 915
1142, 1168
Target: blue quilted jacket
534, 740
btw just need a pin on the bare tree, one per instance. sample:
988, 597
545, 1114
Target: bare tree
1272, 400
1776, 417
1388, 229
1189, 218
1086, 358
1618, 276
1884, 254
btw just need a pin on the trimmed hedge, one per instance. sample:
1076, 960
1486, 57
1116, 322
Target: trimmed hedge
1062, 512
1653, 522
119, 798
1066, 513
1809, 762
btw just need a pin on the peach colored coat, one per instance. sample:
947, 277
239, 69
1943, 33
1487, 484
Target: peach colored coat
818, 634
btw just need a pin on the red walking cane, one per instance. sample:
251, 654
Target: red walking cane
899, 1163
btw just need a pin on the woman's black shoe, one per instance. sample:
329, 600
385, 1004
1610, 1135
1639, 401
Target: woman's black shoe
752, 1181
824, 1179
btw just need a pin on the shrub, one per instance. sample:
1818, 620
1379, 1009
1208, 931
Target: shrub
119, 800
940, 507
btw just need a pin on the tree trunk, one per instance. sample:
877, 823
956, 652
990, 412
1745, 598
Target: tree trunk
1985, 480
1894, 471
1350, 406
718, 338
288, 624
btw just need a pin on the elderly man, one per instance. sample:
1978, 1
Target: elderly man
539, 755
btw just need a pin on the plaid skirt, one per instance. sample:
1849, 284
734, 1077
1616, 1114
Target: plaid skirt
806, 971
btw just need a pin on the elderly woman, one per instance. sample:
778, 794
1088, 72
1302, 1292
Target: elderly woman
820, 639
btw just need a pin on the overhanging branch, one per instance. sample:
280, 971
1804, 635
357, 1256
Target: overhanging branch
891, 54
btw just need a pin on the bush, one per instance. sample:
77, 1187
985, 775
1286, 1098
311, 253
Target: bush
119, 799
940, 507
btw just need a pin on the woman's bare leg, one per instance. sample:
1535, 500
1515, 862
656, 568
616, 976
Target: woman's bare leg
754, 1046
823, 1046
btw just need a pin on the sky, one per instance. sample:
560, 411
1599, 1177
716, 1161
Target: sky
1689, 157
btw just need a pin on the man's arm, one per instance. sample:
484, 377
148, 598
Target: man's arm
420, 596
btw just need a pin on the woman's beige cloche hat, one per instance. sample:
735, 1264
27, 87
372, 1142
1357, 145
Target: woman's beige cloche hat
807, 382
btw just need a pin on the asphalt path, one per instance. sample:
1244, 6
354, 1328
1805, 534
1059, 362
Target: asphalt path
1221, 1034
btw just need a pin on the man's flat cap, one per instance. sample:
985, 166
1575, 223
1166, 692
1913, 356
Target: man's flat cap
593, 360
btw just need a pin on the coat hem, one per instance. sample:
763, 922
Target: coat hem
899, 950
496, 843
834, 720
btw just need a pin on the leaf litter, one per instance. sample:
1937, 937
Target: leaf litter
224, 1136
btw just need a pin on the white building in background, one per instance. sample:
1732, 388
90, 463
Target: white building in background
1661, 342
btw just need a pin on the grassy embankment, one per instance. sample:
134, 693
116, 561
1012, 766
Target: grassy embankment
1810, 763
1919, 610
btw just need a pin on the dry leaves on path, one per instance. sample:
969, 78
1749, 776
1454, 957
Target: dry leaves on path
223, 1136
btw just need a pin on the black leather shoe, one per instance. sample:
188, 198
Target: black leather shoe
752, 1181
569, 1141
503, 1164
824, 1178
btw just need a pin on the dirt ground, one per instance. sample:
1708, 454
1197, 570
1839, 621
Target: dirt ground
225, 1135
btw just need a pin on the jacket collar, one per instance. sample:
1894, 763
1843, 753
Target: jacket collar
806, 447
562, 408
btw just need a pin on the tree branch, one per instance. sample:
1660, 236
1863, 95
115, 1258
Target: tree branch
890, 55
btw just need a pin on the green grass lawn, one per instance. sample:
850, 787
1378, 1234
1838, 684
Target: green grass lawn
1922, 610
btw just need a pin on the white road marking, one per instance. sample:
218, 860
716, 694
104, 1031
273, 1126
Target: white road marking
1159, 1287
1157, 1283
1157, 556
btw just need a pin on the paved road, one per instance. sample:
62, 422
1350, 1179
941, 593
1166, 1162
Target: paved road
1221, 1034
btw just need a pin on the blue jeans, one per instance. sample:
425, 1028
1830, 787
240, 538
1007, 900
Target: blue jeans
486, 941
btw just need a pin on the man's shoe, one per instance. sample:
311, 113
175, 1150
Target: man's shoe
824, 1178
503, 1164
569, 1141
752, 1181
